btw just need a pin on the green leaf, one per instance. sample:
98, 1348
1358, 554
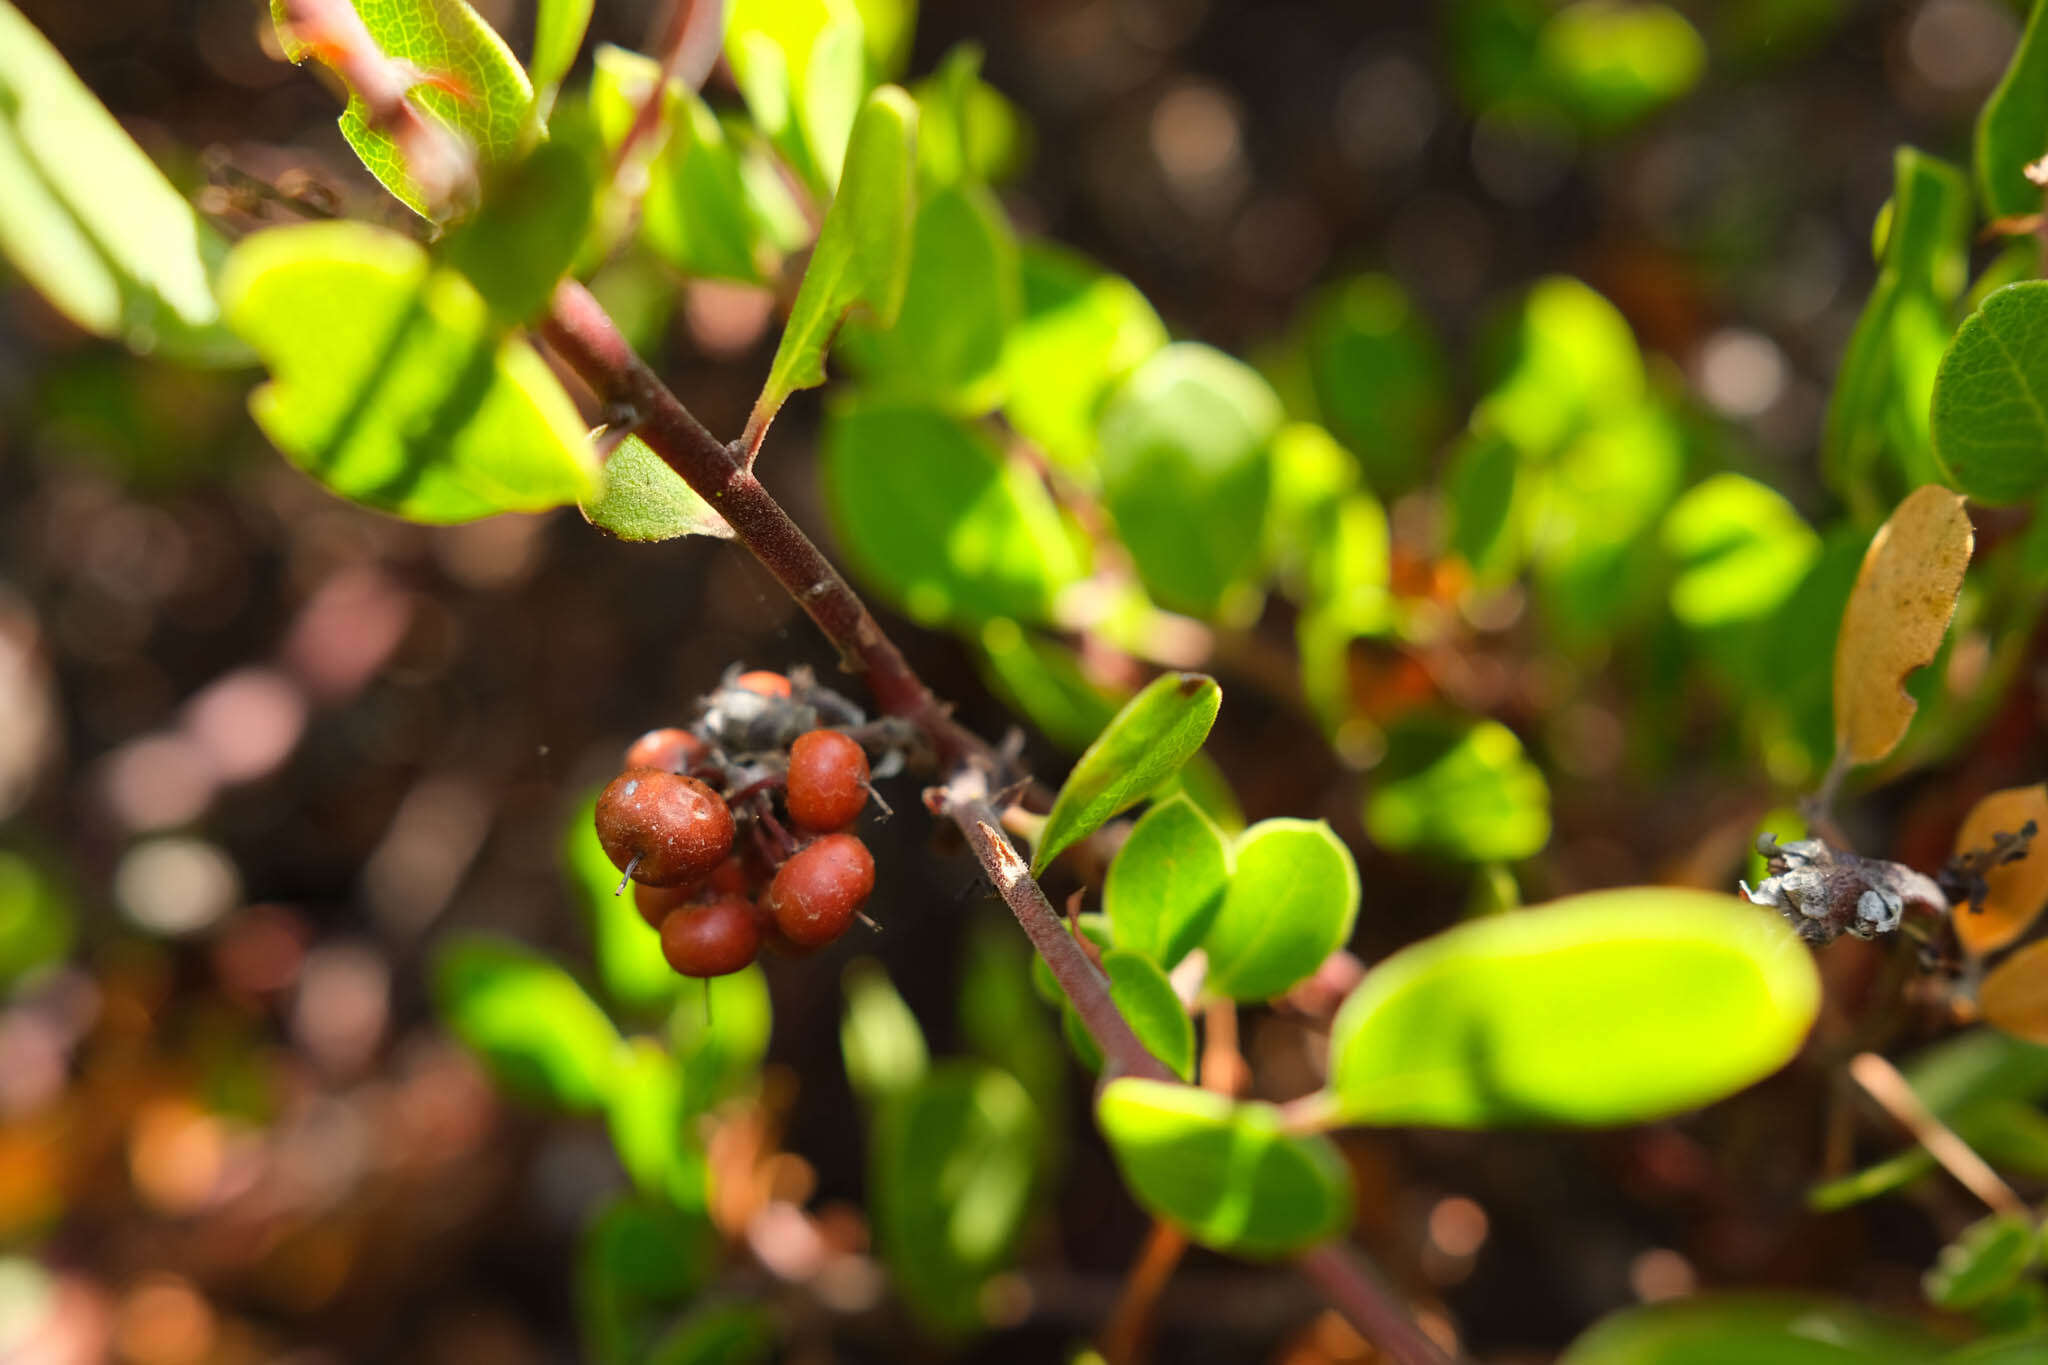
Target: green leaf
1612, 1007
533, 1026
1146, 999
1147, 741
801, 64
724, 1334
1611, 62
1756, 1329
1003, 1020
644, 499
646, 1111
1346, 597
698, 213
392, 385
2026, 1348
521, 242
470, 83
954, 1161
87, 218
629, 960
1463, 790
2012, 128
1742, 552
938, 519
1292, 900
719, 1034
1567, 358
639, 1260
878, 1035
1990, 428
1985, 1261
1591, 515
969, 133
962, 295
1094, 928
1186, 472
1224, 1172
37, 925
1082, 331
1381, 380
1480, 490
1311, 475
558, 28
862, 258
1887, 374
1043, 679
1166, 883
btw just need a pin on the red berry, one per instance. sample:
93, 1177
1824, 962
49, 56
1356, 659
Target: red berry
816, 894
655, 902
731, 877
663, 829
763, 683
671, 750
828, 780
711, 940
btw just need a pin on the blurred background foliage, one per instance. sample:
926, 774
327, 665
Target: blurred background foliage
1522, 318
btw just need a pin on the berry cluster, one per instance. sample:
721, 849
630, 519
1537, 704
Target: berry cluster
692, 822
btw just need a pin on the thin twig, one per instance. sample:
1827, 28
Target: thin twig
689, 33
1891, 1090
1353, 1287
1130, 1327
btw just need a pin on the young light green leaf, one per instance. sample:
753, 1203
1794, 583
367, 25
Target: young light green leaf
1985, 1261
1782, 1329
968, 132
2012, 128
1346, 597
1224, 1172
953, 1165
88, 219
645, 1112
801, 65
1187, 473
1043, 679
1146, 999
939, 520
878, 1035
1612, 1007
1381, 380
1462, 790
629, 960
1990, 425
1566, 358
1292, 900
391, 383
698, 213
889, 26
1741, 550
1081, 332
1148, 740
533, 1026
558, 28
517, 247
862, 258
639, 1261
719, 1033
962, 295
644, 499
1166, 883
1610, 64
37, 923
1592, 517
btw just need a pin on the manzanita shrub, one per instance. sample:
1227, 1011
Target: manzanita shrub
1017, 450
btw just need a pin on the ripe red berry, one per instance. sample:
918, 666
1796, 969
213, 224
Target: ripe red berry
663, 829
655, 902
816, 894
711, 940
732, 877
671, 750
763, 683
828, 780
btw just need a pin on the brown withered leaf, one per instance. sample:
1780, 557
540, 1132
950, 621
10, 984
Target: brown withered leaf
2015, 891
2014, 996
1900, 608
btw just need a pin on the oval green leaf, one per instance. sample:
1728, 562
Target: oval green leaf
879, 1037
644, 499
1145, 997
1381, 380
1463, 790
698, 213
1757, 1329
1146, 742
519, 244
1166, 882
533, 1026
1984, 1262
2012, 129
1292, 900
1613, 1007
646, 1112
1081, 332
1990, 422
1224, 1172
392, 385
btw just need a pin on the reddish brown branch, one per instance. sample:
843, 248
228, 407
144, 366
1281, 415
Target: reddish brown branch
1354, 1289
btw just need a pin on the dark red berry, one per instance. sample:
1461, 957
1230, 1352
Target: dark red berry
671, 750
711, 940
816, 894
828, 780
663, 829
655, 902
731, 877
762, 683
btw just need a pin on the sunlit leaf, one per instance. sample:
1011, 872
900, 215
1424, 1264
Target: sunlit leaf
1612, 61
1043, 679
37, 923
802, 66
1461, 789
968, 131
1224, 1172
1081, 332
862, 258
1346, 597
1145, 997
2016, 891
1149, 738
1985, 1261
1590, 516
1741, 550
391, 383
1611, 1007
1291, 902
1186, 472
698, 213
629, 960
1381, 380
1990, 428
878, 1035
644, 499
940, 520
531, 225
2012, 127
1897, 615
529, 1021
646, 1112
558, 27
1758, 1329
954, 1162
1567, 358
88, 219
1166, 882
718, 1031
1311, 475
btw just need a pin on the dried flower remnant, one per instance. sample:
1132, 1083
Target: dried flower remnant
1826, 892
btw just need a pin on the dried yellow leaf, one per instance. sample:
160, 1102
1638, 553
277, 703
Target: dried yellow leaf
2014, 997
2016, 890
1900, 608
